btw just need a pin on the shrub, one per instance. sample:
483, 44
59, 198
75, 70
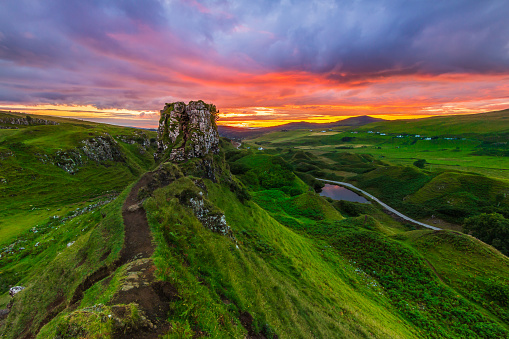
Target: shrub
491, 228
420, 163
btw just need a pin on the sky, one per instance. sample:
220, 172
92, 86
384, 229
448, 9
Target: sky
260, 62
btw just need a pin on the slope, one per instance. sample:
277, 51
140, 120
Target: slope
258, 256
52, 166
482, 123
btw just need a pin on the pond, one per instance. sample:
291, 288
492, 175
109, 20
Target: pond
340, 193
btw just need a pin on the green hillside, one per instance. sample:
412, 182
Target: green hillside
52, 166
457, 172
482, 123
238, 245
473, 143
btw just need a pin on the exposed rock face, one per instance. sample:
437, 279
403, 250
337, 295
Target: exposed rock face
98, 149
139, 139
27, 121
207, 213
102, 149
189, 130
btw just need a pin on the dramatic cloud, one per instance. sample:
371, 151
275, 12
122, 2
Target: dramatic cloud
339, 57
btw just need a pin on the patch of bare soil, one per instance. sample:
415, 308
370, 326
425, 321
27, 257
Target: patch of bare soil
152, 297
137, 239
246, 319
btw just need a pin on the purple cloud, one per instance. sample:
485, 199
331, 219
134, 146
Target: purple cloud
138, 54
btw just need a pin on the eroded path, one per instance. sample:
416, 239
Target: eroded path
139, 286
137, 239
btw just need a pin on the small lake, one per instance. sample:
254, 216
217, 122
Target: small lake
340, 193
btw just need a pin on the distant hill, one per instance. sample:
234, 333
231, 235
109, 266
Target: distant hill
241, 133
481, 123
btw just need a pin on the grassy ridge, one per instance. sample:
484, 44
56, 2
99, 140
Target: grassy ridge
321, 275
295, 265
296, 287
482, 123
478, 272
434, 308
32, 184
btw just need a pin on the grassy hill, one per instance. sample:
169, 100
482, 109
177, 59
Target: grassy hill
482, 123
473, 143
52, 166
191, 250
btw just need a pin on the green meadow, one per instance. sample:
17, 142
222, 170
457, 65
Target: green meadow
463, 170
440, 153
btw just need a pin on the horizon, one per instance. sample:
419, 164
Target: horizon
262, 64
128, 122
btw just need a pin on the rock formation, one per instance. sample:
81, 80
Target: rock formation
99, 149
190, 131
27, 121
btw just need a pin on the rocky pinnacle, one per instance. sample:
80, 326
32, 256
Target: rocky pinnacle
188, 131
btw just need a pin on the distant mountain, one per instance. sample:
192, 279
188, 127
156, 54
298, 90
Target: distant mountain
241, 133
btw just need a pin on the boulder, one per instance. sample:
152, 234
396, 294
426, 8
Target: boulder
15, 290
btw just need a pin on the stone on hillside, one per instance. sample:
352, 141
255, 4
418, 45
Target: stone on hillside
15, 290
190, 131
27, 120
102, 148
4, 313
207, 213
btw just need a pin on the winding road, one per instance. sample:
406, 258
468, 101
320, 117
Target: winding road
387, 207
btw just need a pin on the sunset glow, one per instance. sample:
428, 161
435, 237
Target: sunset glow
262, 64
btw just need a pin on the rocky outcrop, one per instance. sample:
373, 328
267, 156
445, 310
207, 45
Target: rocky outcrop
189, 131
27, 121
138, 138
102, 149
205, 211
12, 292
69, 161
99, 149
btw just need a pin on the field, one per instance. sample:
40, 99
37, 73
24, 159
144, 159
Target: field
440, 153
458, 125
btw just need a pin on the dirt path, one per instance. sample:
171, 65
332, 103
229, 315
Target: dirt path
140, 286
137, 238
